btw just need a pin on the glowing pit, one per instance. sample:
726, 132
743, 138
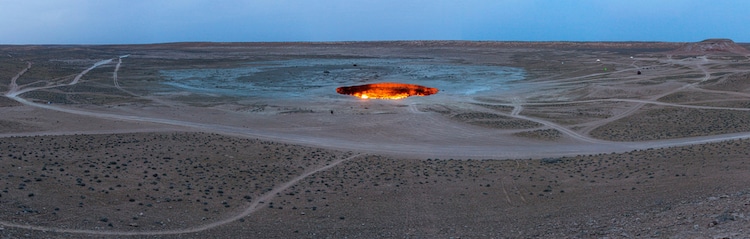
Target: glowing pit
386, 90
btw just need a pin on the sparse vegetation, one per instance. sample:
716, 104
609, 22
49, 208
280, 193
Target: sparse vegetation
543, 134
669, 123
164, 177
125, 157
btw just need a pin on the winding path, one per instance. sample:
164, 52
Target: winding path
114, 74
583, 140
517, 104
253, 207
78, 77
13, 87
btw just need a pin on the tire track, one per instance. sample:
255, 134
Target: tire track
114, 75
97, 64
253, 207
13, 87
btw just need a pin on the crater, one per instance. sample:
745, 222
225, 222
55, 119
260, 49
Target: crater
386, 90
305, 79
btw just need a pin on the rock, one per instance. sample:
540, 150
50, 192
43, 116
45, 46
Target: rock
712, 46
713, 223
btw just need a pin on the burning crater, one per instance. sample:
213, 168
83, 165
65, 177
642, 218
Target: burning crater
386, 90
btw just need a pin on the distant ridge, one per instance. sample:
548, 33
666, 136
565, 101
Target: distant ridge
649, 46
712, 46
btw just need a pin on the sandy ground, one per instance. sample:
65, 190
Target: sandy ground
251, 140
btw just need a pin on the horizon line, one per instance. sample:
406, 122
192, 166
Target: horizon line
350, 42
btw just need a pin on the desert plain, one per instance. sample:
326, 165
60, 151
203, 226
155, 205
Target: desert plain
251, 140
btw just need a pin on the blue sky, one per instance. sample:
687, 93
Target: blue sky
157, 21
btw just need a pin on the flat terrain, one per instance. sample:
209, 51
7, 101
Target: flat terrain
227, 140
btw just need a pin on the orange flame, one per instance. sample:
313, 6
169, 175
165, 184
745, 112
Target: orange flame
386, 90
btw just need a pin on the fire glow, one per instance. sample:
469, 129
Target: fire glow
386, 90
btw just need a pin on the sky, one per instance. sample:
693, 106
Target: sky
160, 21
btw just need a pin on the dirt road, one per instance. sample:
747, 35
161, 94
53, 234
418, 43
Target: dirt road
416, 128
